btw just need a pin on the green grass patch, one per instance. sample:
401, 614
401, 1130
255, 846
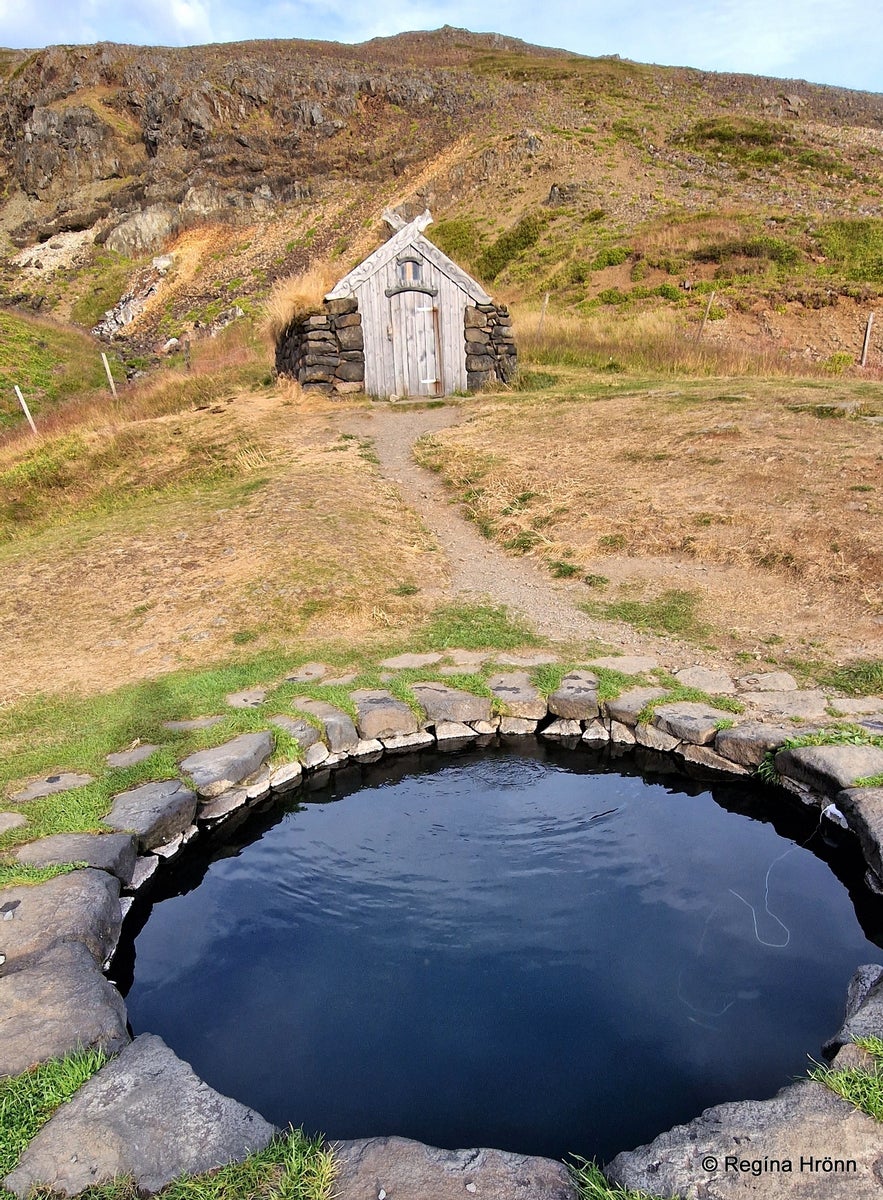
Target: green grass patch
459, 238
862, 677
870, 781
673, 612
592, 1184
13, 874
862, 1087
102, 286
677, 692
28, 1101
47, 362
547, 678
854, 247
475, 627
510, 244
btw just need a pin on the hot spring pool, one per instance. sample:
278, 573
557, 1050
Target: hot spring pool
520, 949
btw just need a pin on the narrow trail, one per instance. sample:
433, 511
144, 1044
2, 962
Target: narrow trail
478, 567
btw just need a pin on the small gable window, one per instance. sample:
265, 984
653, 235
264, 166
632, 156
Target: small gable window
409, 270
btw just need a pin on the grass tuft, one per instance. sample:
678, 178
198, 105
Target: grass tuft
592, 1184
862, 1087
862, 677
27, 1101
672, 612
476, 627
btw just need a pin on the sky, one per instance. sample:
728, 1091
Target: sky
825, 41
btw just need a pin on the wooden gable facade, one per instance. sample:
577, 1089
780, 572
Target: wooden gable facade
407, 321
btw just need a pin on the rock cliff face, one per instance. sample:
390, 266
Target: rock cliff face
90, 131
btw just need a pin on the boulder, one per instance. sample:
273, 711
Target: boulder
405, 1170
863, 809
517, 726
221, 767
340, 732
576, 697
306, 734
155, 812
400, 742
454, 731
804, 1121
144, 231
65, 781
56, 1005
442, 703
145, 869
654, 739
562, 728
626, 707
286, 777
111, 852
130, 758
381, 715
82, 906
519, 695
747, 744
690, 721
621, 735
597, 733
716, 683
829, 768
145, 1115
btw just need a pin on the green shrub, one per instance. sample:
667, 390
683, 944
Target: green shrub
855, 246
459, 238
610, 256
510, 244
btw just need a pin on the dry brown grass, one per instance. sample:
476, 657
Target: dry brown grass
298, 295
659, 341
772, 514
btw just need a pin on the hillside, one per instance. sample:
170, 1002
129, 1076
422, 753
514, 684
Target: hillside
606, 183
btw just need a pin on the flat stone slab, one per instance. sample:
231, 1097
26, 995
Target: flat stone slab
11, 821
810, 704
308, 673
249, 698
690, 721
407, 1170
340, 732
401, 742
65, 781
286, 777
747, 744
155, 812
368, 750
597, 733
858, 706
403, 662
55, 1005
518, 693
467, 658
540, 659
517, 726
111, 852
130, 758
576, 697
442, 703
626, 707
316, 755
222, 767
863, 809
194, 723
716, 683
381, 714
626, 664
306, 734
180, 1125
768, 681
829, 768
82, 906
222, 806
145, 869
805, 1120
708, 759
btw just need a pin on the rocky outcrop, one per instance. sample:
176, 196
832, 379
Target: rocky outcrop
182, 1125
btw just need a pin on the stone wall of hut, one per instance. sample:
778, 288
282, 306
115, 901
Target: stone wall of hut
325, 350
490, 345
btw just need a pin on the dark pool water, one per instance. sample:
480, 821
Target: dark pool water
531, 950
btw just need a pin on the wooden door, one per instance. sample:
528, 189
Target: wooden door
415, 336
